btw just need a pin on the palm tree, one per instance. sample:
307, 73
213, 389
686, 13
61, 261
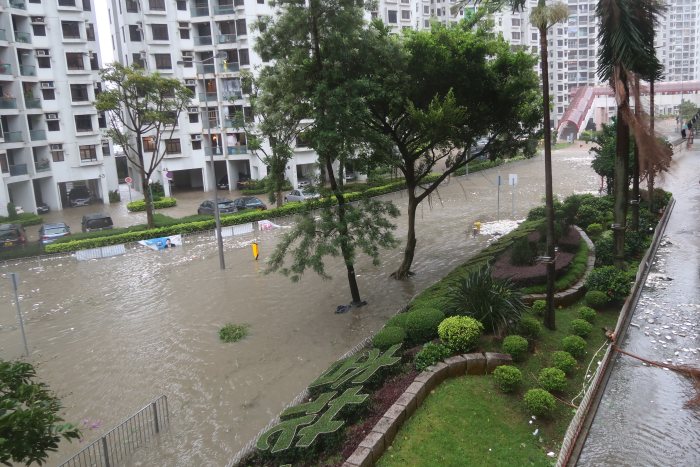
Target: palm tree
544, 17
627, 52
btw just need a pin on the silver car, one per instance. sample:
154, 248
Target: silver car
301, 195
48, 233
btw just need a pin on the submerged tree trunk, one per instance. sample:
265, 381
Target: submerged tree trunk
622, 154
549, 317
147, 199
404, 270
650, 169
635, 180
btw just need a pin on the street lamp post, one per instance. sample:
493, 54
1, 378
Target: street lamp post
219, 239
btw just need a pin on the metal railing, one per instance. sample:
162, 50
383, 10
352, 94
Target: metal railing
8, 103
207, 96
5, 69
199, 11
37, 135
42, 165
237, 150
224, 10
218, 151
234, 123
13, 137
203, 40
24, 37
226, 39
125, 438
27, 70
205, 69
32, 102
228, 67
228, 95
19, 169
20, 5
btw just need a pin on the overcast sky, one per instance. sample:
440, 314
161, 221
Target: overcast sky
101, 11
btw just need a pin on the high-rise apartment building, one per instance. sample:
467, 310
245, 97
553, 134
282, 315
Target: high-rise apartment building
51, 133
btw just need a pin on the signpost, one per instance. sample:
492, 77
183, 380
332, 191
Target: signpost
15, 280
128, 184
512, 181
499, 181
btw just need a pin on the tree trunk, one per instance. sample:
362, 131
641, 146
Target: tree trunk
404, 270
279, 199
147, 199
549, 317
635, 187
650, 168
622, 155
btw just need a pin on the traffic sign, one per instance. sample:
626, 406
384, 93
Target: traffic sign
499, 181
127, 179
513, 179
168, 175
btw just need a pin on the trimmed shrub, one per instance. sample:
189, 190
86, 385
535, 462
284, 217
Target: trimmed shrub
140, 205
516, 346
12, 212
564, 361
542, 230
508, 377
114, 196
384, 339
594, 230
539, 402
581, 327
460, 333
422, 325
25, 219
430, 354
437, 303
521, 254
611, 281
587, 314
538, 212
587, 215
575, 345
539, 307
233, 332
596, 299
552, 379
397, 321
530, 327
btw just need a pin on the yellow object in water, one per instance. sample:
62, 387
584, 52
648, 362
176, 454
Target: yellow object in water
255, 250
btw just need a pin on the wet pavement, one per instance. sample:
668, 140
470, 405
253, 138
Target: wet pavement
113, 334
641, 420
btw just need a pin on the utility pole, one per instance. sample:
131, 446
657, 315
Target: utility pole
15, 279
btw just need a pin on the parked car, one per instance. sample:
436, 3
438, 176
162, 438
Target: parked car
79, 196
48, 233
477, 149
223, 183
249, 202
302, 182
349, 176
12, 236
301, 195
225, 206
96, 221
42, 208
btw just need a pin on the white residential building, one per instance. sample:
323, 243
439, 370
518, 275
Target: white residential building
51, 133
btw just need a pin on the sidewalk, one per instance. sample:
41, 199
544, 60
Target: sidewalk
641, 419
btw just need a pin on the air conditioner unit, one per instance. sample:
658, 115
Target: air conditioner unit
190, 82
193, 110
196, 137
37, 20
51, 116
143, 55
187, 53
47, 84
40, 52
56, 147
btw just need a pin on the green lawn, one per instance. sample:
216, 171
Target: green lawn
467, 416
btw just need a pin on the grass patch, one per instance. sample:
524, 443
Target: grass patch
573, 273
560, 146
233, 332
469, 415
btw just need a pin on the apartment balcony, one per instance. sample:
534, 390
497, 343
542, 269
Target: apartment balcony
42, 165
201, 69
8, 103
234, 123
19, 169
207, 96
228, 67
218, 151
5, 69
23, 37
27, 70
224, 10
200, 10
232, 95
226, 39
13, 137
32, 102
19, 4
202, 40
37, 135
210, 124
3, 35
237, 150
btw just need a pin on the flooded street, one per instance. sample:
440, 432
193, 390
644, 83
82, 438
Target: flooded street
111, 335
641, 420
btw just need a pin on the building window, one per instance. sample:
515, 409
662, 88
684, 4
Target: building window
83, 123
3, 164
160, 32
58, 156
534, 36
515, 22
261, 2
88, 153
79, 92
75, 61
134, 33
93, 61
181, 5
66, 2
156, 5
515, 36
39, 29
184, 31
196, 145
426, 23
148, 144
53, 125
105, 148
172, 146
194, 118
138, 60
44, 62
132, 6
86, 5
560, 109
48, 94
374, 15
90, 31
71, 29
405, 14
101, 120
163, 62
392, 16
241, 28
243, 58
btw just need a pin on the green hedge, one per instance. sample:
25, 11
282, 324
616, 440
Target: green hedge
140, 204
26, 219
263, 191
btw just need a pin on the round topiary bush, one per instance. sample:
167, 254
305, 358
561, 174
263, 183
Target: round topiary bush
539, 307
422, 325
564, 361
575, 345
581, 327
516, 346
552, 379
508, 377
460, 333
596, 299
539, 402
397, 321
530, 327
587, 314
387, 337
521, 253
594, 230
588, 215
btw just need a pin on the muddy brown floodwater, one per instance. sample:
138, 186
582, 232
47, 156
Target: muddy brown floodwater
111, 335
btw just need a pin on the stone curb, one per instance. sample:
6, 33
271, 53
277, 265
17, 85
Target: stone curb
382, 435
576, 291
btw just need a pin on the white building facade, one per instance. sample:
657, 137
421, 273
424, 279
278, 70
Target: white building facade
51, 133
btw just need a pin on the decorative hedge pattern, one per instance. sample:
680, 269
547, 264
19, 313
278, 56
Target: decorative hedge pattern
140, 204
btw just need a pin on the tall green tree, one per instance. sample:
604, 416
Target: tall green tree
318, 43
143, 109
428, 95
543, 17
30, 427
